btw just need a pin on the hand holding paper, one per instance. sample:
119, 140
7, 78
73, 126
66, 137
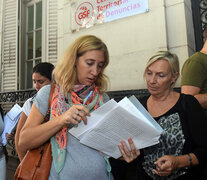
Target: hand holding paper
10, 121
113, 122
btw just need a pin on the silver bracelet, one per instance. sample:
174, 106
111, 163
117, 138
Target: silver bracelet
190, 159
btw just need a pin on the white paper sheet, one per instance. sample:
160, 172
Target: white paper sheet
10, 121
144, 112
114, 122
96, 116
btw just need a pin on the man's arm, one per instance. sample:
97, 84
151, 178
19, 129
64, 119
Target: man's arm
195, 91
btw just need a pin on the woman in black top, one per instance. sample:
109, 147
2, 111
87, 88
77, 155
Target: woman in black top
182, 150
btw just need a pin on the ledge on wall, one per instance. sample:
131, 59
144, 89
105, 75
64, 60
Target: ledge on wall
118, 95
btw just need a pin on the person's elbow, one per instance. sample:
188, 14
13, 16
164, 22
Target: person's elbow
22, 143
191, 90
16, 139
20, 126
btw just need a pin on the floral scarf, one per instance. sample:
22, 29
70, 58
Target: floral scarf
59, 105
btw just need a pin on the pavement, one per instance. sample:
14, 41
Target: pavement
11, 166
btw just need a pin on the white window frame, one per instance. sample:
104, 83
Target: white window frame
29, 3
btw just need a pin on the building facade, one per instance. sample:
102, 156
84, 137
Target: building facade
33, 31
28, 36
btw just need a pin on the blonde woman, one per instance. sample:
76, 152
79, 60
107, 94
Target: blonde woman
181, 153
79, 72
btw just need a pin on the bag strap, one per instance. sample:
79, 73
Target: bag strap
50, 101
51, 94
46, 119
2, 113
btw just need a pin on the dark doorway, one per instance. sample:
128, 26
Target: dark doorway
199, 9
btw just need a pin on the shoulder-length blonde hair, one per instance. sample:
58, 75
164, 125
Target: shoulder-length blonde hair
168, 56
65, 71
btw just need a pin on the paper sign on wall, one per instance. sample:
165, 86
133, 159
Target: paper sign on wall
87, 13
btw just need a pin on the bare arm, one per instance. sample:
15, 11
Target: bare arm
183, 161
20, 124
35, 133
195, 91
167, 164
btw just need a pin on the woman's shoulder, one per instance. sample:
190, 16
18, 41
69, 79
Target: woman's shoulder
105, 97
187, 97
189, 102
41, 100
27, 104
143, 100
44, 90
28, 101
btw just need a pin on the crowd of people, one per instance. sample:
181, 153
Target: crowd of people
181, 151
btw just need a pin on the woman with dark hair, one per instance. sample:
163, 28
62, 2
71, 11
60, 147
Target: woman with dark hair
41, 76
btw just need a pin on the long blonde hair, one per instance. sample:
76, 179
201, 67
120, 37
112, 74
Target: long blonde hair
65, 71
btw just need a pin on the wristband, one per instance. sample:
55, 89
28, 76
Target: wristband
190, 159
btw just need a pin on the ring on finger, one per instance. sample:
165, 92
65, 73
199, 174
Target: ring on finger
160, 173
129, 154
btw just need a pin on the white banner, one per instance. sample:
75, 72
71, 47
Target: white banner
87, 13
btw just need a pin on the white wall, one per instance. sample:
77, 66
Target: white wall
132, 40
180, 30
1, 9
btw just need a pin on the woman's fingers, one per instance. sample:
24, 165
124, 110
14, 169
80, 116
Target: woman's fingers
125, 148
135, 152
82, 109
82, 113
128, 154
165, 165
161, 173
125, 156
75, 114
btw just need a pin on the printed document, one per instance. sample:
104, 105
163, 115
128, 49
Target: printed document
10, 121
113, 122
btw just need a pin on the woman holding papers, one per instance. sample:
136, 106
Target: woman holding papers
182, 151
80, 82
42, 75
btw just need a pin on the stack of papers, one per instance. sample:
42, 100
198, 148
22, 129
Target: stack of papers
10, 121
113, 122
